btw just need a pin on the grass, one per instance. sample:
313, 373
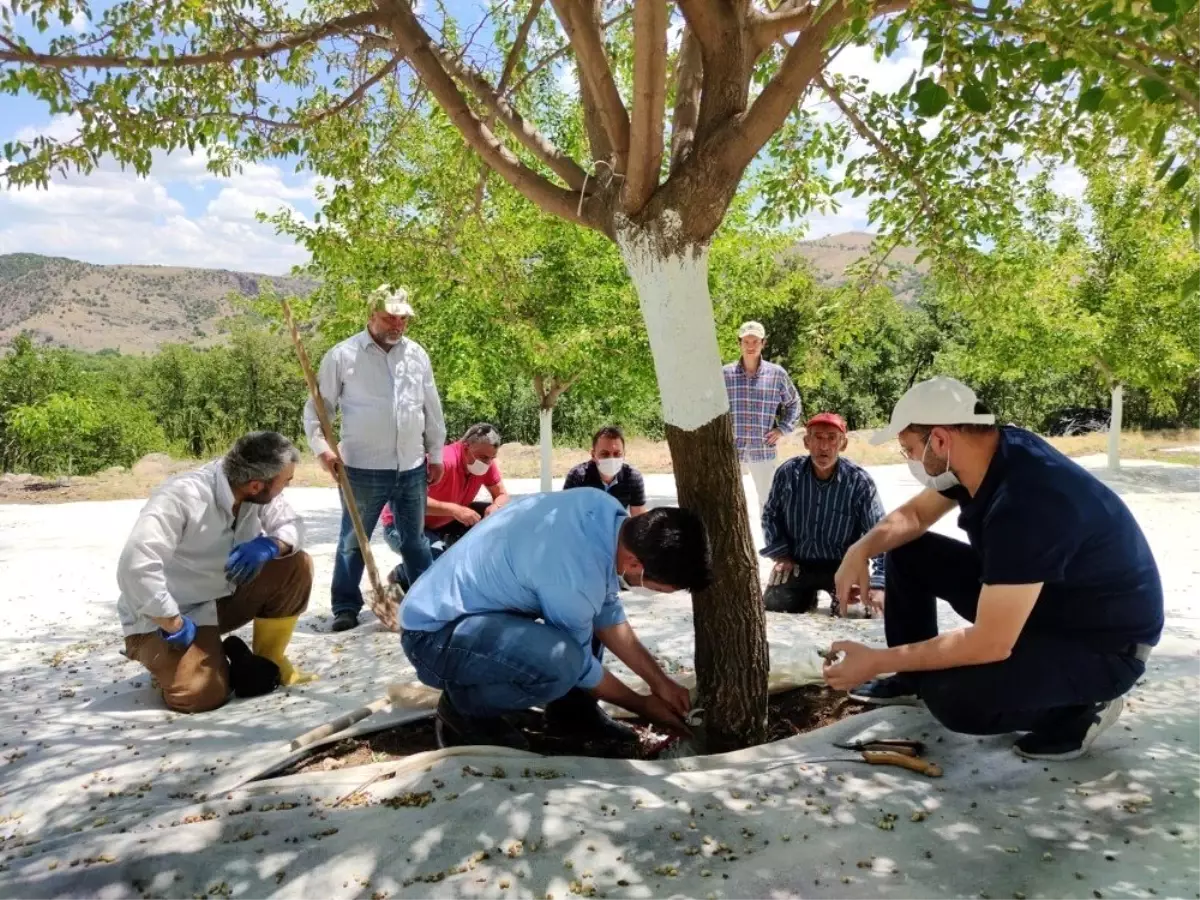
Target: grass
524, 461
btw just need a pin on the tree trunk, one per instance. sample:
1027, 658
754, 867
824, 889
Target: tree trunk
730, 626
1114, 427
546, 441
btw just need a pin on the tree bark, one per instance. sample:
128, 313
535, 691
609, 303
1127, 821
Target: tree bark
546, 442
732, 659
1114, 426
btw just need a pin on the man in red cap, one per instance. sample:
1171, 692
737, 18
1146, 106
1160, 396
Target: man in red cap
818, 507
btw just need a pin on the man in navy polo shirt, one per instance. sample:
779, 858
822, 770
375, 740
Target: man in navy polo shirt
608, 471
1058, 582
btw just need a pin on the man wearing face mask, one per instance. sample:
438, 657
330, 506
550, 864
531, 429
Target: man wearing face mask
451, 508
608, 471
1058, 582
391, 441
212, 550
518, 613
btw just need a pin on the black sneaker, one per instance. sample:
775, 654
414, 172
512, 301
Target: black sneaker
344, 621
1073, 737
577, 713
454, 728
895, 690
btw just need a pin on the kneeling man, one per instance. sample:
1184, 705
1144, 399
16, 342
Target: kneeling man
1058, 582
519, 611
818, 506
213, 549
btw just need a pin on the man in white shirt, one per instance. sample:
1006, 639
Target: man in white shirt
213, 549
391, 442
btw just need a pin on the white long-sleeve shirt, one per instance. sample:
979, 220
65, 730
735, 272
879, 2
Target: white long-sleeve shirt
174, 560
391, 413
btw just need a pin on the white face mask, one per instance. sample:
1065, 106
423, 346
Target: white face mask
940, 482
610, 467
479, 467
639, 589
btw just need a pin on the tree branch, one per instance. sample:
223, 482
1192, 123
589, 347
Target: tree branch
1142, 69
561, 52
766, 28
518, 44
688, 82
234, 54
704, 18
649, 101
583, 29
425, 59
532, 139
346, 102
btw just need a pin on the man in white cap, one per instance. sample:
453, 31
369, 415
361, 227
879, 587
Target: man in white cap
1058, 583
391, 442
765, 406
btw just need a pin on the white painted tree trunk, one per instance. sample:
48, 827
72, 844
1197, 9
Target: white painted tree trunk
546, 434
1114, 427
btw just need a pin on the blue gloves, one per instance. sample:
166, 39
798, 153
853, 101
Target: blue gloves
181, 639
246, 560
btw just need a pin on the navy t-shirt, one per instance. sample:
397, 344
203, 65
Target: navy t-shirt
1040, 517
627, 488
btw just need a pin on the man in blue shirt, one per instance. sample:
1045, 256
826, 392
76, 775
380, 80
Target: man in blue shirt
819, 505
517, 614
1058, 582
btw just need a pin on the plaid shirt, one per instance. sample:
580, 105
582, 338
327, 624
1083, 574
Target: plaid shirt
759, 402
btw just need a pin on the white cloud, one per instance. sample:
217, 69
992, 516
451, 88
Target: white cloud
116, 216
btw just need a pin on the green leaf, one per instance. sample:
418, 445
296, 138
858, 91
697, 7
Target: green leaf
930, 97
1154, 89
1156, 141
1194, 222
1164, 168
976, 99
1180, 178
1166, 7
1053, 71
1191, 285
933, 53
1089, 100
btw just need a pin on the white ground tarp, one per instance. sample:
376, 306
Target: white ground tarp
105, 793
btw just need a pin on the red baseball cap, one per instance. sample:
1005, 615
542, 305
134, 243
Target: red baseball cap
827, 418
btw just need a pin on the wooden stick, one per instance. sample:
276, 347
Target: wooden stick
382, 605
890, 758
341, 723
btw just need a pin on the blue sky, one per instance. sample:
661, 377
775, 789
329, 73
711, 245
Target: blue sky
182, 215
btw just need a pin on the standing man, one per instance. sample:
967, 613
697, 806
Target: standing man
765, 407
451, 509
820, 504
608, 471
392, 436
212, 550
1058, 582
518, 614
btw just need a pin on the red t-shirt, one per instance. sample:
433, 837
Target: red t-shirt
457, 485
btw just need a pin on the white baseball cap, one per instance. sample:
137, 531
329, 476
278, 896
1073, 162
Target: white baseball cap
752, 329
938, 401
393, 302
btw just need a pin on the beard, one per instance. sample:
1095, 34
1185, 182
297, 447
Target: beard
262, 498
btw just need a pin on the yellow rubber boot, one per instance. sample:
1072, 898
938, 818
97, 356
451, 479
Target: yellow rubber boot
271, 637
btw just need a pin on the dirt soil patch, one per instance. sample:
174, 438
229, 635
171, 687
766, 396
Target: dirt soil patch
789, 713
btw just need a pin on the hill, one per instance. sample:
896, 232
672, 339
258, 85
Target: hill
830, 256
133, 309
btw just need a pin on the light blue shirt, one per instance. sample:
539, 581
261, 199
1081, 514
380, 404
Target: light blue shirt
546, 556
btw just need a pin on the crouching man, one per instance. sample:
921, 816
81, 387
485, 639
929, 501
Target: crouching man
212, 550
519, 612
1058, 583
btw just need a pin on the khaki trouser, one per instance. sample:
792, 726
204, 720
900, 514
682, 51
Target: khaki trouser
197, 679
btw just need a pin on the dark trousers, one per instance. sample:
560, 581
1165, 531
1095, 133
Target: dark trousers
440, 540
799, 593
1047, 677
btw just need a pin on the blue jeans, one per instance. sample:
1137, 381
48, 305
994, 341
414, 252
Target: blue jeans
492, 663
1048, 676
372, 489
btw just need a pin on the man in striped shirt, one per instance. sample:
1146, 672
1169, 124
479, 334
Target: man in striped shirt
765, 407
819, 505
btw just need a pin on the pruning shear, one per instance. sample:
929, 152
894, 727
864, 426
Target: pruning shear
894, 752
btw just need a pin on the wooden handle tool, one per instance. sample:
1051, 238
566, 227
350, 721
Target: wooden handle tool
891, 758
